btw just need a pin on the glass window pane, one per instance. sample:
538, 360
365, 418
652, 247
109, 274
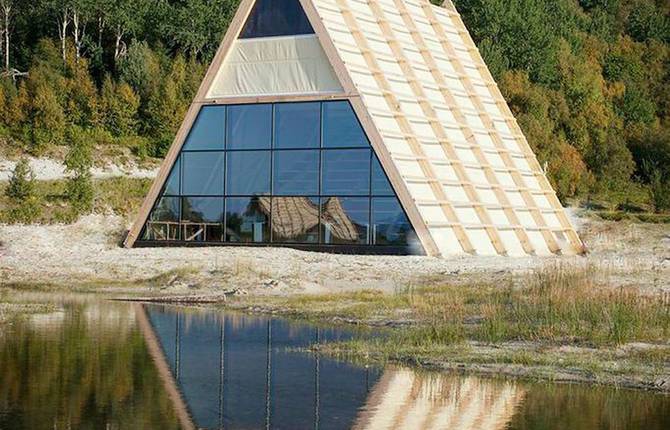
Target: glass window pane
296, 172
346, 172
208, 129
341, 127
163, 223
172, 184
390, 225
345, 220
249, 126
295, 219
276, 18
380, 183
202, 173
297, 125
202, 219
247, 219
248, 173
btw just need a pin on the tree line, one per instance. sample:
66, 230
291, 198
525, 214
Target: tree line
588, 81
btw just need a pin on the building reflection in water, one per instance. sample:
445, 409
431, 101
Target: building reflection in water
241, 372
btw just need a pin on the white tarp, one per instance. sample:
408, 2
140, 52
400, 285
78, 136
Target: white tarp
275, 66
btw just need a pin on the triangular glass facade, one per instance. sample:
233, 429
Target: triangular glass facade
297, 174
271, 18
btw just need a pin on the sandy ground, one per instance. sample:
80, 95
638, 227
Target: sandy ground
88, 252
47, 169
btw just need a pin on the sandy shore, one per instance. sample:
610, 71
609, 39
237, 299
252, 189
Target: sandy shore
88, 252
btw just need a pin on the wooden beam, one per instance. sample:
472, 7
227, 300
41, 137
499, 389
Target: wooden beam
162, 367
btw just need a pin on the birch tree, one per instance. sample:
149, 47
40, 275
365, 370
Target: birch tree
6, 7
126, 18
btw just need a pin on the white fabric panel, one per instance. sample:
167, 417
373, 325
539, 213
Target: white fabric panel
512, 244
538, 243
487, 196
467, 215
446, 241
481, 242
432, 214
421, 191
275, 65
552, 220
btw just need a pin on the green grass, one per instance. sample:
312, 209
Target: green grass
559, 317
121, 196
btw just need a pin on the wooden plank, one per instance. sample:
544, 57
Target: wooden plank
392, 102
430, 113
276, 98
166, 166
511, 122
552, 245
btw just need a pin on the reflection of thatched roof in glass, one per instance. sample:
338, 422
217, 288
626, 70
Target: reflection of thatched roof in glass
295, 216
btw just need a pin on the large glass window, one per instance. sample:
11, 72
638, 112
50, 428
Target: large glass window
163, 223
208, 131
295, 220
297, 125
345, 220
248, 173
390, 224
248, 219
172, 185
341, 128
289, 173
249, 127
276, 18
346, 172
202, 173
296, 173
380, 183
202, 219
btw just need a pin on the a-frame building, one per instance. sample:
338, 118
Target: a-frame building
362, 126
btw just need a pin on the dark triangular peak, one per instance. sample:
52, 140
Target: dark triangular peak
271, 18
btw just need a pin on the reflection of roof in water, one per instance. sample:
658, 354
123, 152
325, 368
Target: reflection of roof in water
404, 399
295, 216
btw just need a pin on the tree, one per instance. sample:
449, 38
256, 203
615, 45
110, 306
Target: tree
47, 123
192, 29
22, 183
126, 17
22, 193
6, 8
119, 108
78, 163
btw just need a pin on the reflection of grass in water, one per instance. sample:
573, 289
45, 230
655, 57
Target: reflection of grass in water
523, 324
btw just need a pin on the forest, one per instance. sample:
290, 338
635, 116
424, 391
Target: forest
588, 80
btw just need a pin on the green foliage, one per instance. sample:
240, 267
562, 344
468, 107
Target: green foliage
78, 163
21, 192
22, 183
119, 108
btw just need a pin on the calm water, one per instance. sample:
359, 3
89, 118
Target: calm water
105, 365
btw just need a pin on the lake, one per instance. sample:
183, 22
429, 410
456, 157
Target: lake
97, 364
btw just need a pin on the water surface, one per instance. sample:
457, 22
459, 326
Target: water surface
105, 365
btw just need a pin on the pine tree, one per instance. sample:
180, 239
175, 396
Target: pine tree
22, 183
22, 194
47, 120
119, 105
78, 163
